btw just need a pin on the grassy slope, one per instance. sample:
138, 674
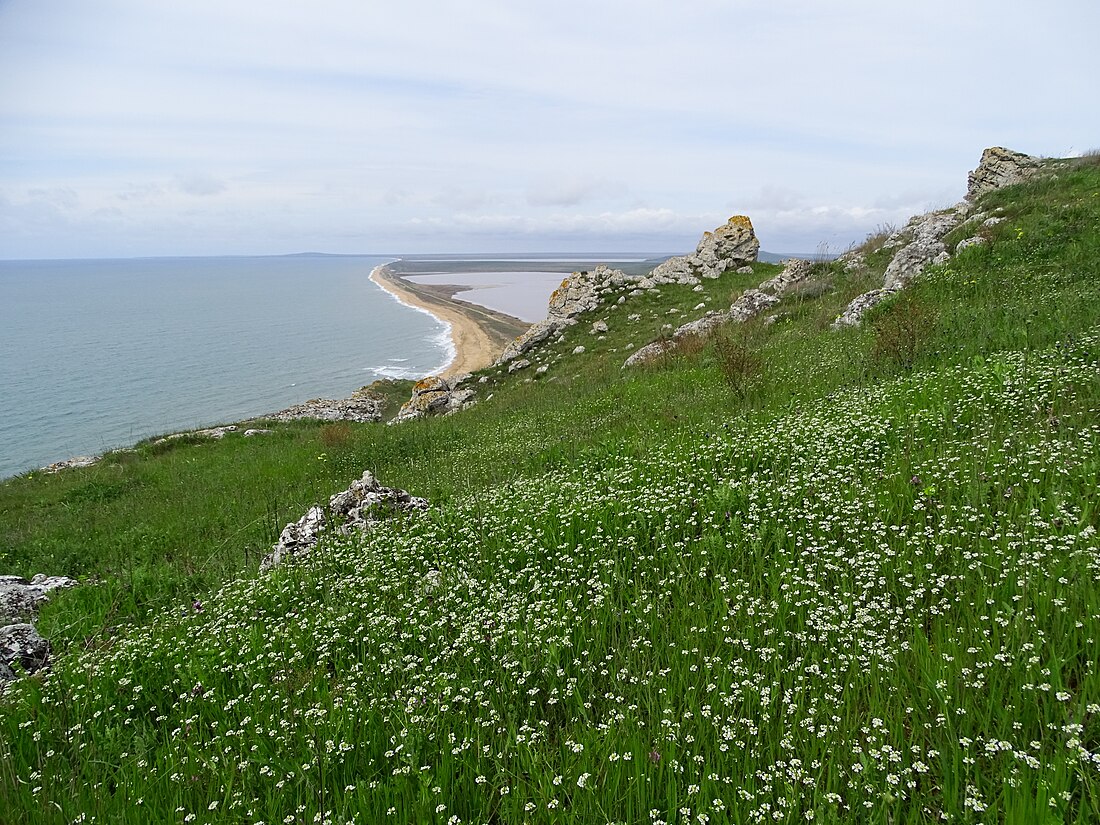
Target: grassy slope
850, 575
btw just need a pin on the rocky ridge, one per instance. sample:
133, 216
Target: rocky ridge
921, 242
751, 303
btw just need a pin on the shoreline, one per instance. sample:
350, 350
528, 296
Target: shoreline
475, 332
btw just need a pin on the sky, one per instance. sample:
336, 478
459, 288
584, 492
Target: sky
207, 127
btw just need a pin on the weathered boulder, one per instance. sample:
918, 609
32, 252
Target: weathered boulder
925, 245
966, 243
1000, 167
435, 395
853, 313
794, 272
364, 503
702, 326
650, 352
729, 246
20, 645
520, 364
20, 598
751, 303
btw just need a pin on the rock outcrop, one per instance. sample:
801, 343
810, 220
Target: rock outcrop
435, 395
581, 292
19, 598
361, 406
920, 243
22, 649
364, 503
729, 246
1000, 167
751, 303
21, 646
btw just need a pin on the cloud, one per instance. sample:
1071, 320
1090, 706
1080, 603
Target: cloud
573, 191
59, 197
261, 125
200, 185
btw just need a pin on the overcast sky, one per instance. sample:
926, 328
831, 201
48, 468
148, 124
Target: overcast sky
205, 127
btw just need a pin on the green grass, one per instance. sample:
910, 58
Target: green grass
854, 580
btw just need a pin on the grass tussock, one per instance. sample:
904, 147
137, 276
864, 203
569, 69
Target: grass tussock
869, 595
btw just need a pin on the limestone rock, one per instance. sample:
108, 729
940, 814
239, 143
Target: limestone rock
521, 364
926, 234
364, 503
579, 350
21, 645
76, 461
751, 303
794, 272
20, 598
1000, 167
581, 292
214, 433
853, 313
966, 243
729, 246
702, 326
599, 327
362, 406
434, 395
649, 352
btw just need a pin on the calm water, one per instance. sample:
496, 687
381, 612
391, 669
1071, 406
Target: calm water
100, 354
524, 295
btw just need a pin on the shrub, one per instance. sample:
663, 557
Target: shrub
333, 436
738, 363
902, 332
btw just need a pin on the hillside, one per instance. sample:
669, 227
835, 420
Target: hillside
793, 565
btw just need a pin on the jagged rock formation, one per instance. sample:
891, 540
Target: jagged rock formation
435, 395
364, 503
727, 247
20, 643
751, 303
1000, 167
921, 242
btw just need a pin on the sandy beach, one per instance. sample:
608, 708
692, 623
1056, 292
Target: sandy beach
478, 334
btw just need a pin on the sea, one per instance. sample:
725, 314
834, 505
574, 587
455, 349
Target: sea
99, 354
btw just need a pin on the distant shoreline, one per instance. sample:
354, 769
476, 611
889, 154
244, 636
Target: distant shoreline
478, 334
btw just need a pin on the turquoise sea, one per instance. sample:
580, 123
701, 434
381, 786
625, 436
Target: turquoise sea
97, 354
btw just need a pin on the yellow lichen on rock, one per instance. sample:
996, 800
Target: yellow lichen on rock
740, 221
